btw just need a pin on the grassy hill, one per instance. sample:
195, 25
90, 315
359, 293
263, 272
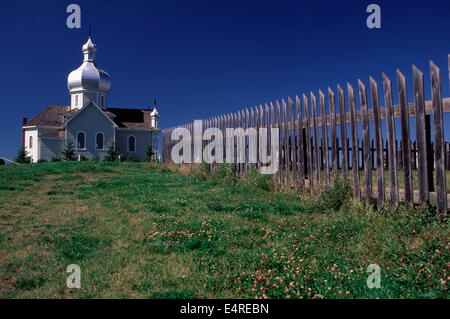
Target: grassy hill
147, 231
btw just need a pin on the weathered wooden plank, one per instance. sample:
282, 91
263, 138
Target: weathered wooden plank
378, 141
438, 129
223, 126
406, 141
323, 115
392, 148
334, 147
366, 142
261, 125
287, 156
355, 143
224, 133
251, 124
316, 137
239, 155
247, 139
257, 136
419, 101
300, 149
309, 161
280, 140
293, 146
261, 116
273, 126
236, 124
267, 119
343, 127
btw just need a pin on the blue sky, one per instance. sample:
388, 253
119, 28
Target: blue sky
204, 58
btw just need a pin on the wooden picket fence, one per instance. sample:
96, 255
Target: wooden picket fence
310, 159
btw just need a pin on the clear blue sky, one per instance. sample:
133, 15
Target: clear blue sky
204, 58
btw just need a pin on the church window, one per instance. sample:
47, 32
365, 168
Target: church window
99, 141
131, 144
31, 142
81, 141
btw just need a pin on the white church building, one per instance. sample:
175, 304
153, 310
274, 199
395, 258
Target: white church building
88, 122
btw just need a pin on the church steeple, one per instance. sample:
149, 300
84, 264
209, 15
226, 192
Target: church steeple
89, 50
88, 82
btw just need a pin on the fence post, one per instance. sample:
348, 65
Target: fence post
355, 142
392, 143
419, 101
334, 147
378, 141
309, 161
323, 116
316, 136
273, 125
406, 143
293, 148
343, 127
300, 149
280, 140
366, 139
438, 129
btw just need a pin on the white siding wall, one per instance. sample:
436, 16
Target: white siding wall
33, 152
51, 147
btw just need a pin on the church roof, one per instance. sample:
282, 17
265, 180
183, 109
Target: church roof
53, 115
132, 118
57, 115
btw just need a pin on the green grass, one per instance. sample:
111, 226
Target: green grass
147, 231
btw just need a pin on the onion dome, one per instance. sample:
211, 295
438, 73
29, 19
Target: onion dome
88, 77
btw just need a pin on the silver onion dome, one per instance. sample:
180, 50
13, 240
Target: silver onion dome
88, 76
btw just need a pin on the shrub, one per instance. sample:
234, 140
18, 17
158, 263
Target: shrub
83, 158
2, 162
42, 161
69, 152
333, 196
200, 172
22, 156
258, 180
224, 174
134, 159
55, 159
95, 159
112, 153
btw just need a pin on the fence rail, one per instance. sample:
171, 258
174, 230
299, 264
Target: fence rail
311, 153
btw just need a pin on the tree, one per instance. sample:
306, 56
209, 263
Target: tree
69, 152
150, 153
112, 153
22, 156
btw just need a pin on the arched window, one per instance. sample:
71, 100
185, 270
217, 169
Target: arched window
30, 144
81, 141
76, 100
102, 101
99, 141
131, 144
